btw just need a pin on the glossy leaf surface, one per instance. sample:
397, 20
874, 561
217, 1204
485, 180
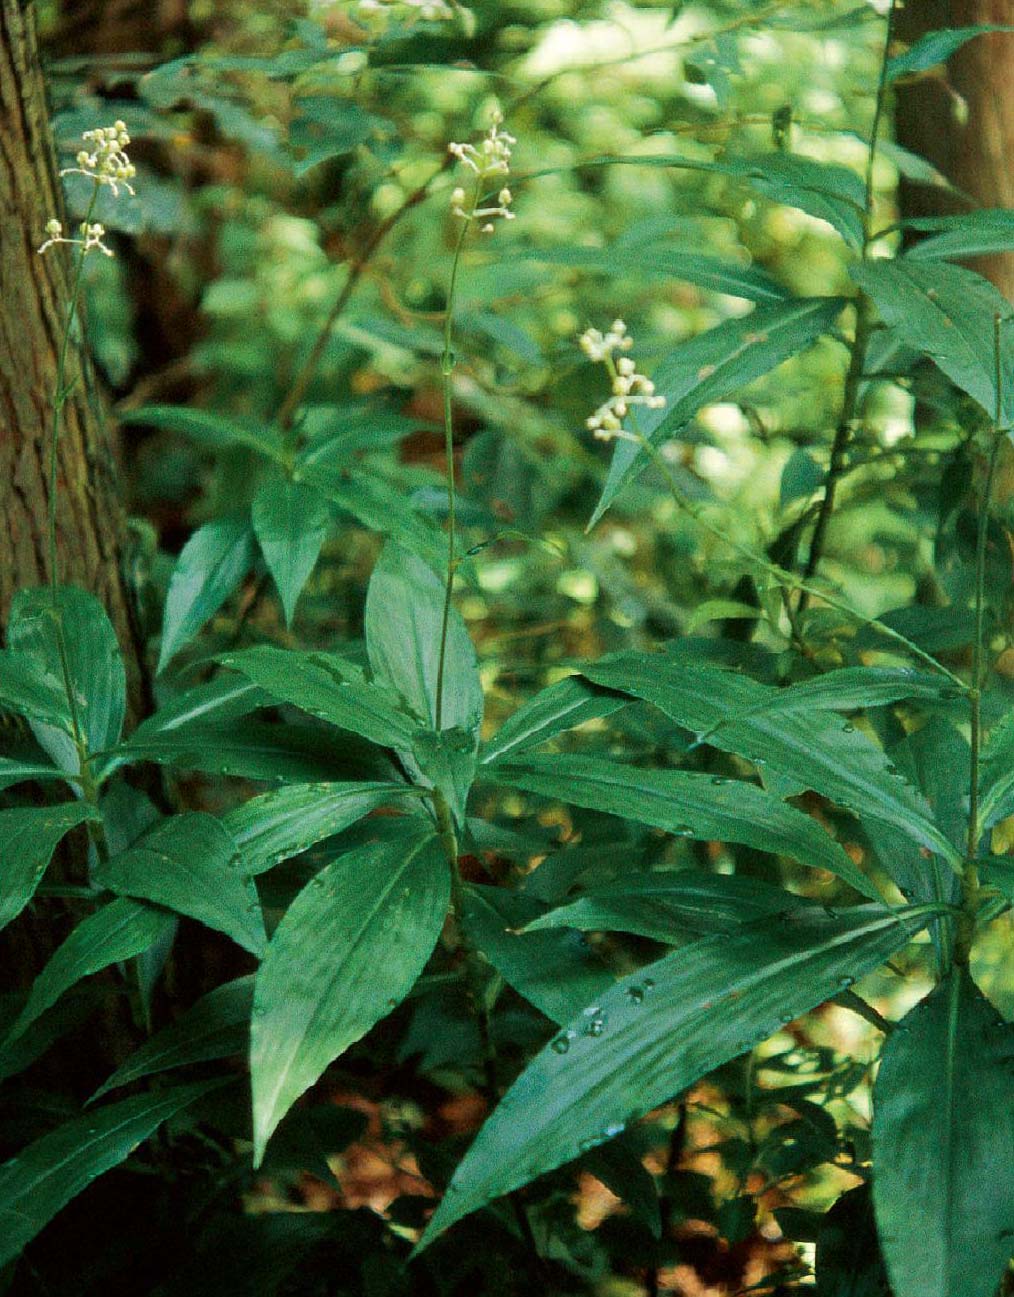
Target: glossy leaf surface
189, 863
687, 804
348, 949
658, 1031
943, 1145
209, 569
28, 837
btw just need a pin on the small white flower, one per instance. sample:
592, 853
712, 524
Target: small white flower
91, 236
104, 160
629, 388
490, 160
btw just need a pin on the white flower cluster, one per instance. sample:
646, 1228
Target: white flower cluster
92, 234
105, 160
629, 387
491, 160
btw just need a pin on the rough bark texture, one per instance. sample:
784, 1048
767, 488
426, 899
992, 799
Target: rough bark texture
975, 154
34, 291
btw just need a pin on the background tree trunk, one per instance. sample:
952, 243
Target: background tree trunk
961, 118
35, 293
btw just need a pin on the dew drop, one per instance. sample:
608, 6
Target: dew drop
635, 994
848, 728
616, 1128
649, 983
596, 1027
718, 780
846, 982
561, 1045
259, 1010
683, 831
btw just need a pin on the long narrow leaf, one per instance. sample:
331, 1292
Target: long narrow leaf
28, 837
658, 1031
943, 1145
688, 804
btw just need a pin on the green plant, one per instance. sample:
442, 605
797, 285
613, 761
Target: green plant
417, 880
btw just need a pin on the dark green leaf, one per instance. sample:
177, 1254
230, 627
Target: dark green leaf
555, 971
810, 749
28, 837
848, 1261
189, 863
670, 906
403, 620
972, 234
94, 663
328, 127
715, 365
28, 688
217, 1026
280, 824
946, 313
943, 1145
375, 505
327, 687
658, 1031
46, 1175
116, 932
554, 710
290, 521
211, 565
687, 804
14, 771
348, 949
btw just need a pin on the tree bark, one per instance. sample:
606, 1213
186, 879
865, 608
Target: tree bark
35, 291
961, 119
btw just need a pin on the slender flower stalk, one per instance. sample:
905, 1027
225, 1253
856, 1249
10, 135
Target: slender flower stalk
603, 423
489, 163
105, 162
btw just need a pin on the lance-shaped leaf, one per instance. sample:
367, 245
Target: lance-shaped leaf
290, 521
403, 624
971, 234
946, 313
810, 749
217, 1026
670, 906
552, 711
92, 655
329, 688
253, 749
936, 47
374, 504
285, 822
848, 1262
556, 971
943, 1145
688, 804
28, 688
116, 932
189, 863
15, 771
211, 565
347, 951
28, 837
665, 261
661, 1029
215, 431
46, 1175
713, 366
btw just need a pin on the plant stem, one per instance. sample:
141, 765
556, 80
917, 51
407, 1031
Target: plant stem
860, 340
788, 580
61, 392
970, 886
477, 1005
447, 362
301, 383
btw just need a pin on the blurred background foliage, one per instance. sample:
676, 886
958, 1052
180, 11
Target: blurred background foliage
293, 156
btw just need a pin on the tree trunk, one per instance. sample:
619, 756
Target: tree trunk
34, 290
961, 118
